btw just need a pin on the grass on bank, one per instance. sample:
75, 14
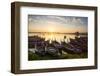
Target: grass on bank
33, 56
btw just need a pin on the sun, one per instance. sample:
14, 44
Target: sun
51, 29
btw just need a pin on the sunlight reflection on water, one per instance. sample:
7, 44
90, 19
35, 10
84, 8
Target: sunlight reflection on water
55, 36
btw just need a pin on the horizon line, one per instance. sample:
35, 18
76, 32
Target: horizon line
60, 32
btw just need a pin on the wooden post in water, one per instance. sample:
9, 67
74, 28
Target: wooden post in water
64, 38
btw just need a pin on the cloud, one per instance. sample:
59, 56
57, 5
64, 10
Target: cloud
64, 22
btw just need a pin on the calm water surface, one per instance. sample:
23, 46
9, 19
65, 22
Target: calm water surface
55, 36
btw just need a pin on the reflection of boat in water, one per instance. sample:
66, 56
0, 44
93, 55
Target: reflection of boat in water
42, 47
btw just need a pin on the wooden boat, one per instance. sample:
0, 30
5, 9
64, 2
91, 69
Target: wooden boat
69, 48
40, 51
52, 51
81, 43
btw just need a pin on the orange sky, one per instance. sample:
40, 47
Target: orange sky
65, 24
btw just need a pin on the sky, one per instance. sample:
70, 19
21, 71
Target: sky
63, 24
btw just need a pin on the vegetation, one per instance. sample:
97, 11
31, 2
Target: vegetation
33, 56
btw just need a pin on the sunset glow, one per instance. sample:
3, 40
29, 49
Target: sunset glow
51, 30
63, 24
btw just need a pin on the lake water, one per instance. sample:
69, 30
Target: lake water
55, 36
